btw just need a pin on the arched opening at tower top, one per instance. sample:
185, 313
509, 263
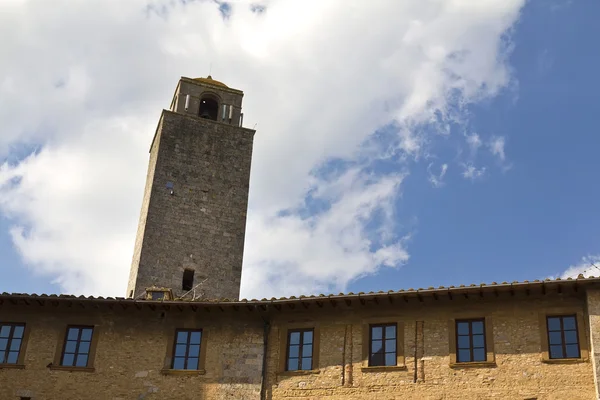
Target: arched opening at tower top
209, 107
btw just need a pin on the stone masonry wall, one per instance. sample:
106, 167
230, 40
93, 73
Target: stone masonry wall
202, 225
134, 343
130, 354
518, 373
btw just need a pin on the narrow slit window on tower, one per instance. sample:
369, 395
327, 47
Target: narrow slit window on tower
188, 279
224, 112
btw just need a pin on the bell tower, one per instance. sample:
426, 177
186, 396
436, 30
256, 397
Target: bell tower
190, 236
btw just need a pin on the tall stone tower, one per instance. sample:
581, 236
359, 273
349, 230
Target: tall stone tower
190, 236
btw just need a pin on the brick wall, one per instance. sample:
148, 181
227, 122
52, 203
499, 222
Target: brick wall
130, 354
134, 344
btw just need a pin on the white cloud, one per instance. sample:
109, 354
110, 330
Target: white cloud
471, 172
588, 266
437, 180
497, 147
474, 142
319, 78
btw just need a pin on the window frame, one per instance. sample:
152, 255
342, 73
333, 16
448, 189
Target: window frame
488, 328
470, 335
171, 335
366, 344
62, 342
284, 328
581, 335
78, 342
562, 334
383, 343
300, 357
22, 348
187, 348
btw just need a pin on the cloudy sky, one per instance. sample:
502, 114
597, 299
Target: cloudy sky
401, 143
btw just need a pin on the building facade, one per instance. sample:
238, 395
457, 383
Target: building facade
182, 333
509, 341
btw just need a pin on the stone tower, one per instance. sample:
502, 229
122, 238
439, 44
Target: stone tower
190, 236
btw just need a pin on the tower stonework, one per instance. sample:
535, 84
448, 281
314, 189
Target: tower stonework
190, 236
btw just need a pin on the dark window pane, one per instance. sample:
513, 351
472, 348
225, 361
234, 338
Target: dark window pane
376, 345
294, 351
478, 341
376, 332
295, 338
81, 360
86, 334
479, 355
556, 352
308, 337
2, 355
3, 344
4, 331
462, 328
182, 337
192, 363
555, 337
195, 337
293, 364
477, 328
70, 346
390, 358
73, 334
390, 332
68, 360
180, 350
463, 356
570, 337
178, 363
15, 344
390, 345
307, 364
572, 351
194, 350
569, 323
377, 359
84, 348
554, 324
307, 350
463, 342
18, 332
13, 356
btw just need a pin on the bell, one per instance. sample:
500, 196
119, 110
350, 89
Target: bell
205, 114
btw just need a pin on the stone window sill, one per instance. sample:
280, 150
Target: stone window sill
71, 369
563, 360
478, 364
12, 366
183, 372
299, 372
388, 368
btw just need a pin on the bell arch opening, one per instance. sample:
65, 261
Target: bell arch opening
209, 107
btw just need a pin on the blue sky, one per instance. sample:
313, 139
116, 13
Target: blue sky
541, 215
531, 214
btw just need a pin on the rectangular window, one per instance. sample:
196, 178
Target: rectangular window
563, 337
224, 112
382, 345
11, 337
470, 340
76, 350
300, 350
186, 353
